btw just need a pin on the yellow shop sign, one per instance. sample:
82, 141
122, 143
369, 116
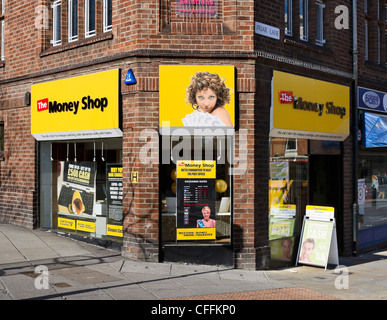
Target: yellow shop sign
81, 107
307, 108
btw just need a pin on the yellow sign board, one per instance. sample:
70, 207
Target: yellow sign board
196, 234
81, 107
307, 108
86, 226
114, 230
66, 223
177, 84
196, 169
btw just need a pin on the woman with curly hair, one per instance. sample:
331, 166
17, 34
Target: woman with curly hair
208, 93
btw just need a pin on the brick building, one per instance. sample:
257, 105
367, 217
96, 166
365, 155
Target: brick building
88, 90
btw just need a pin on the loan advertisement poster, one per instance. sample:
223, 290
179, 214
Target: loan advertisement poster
76, 188
76, 195
317, 235
196, 200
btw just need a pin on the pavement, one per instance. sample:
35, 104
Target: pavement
42, 265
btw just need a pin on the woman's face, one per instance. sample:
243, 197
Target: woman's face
206, 100
206, 213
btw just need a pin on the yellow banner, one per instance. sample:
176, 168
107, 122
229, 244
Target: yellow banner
174, 89
86, 226
196, 169
307, 108
196, 234
66, 223
76, 108
113, 230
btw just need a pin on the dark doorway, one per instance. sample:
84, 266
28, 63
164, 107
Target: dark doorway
326, 187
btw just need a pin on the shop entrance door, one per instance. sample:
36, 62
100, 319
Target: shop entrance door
326, 186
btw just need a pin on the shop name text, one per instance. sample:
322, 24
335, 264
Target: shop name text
73, 106
286, 97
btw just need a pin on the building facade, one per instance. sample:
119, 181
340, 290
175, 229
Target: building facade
101, 139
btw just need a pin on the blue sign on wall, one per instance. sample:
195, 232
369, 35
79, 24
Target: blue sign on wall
372, 100
130, 79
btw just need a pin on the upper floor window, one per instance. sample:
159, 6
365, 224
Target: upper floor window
320, 23
73, 20
89, 18
56, 23
107, 15
304, 20
288, 18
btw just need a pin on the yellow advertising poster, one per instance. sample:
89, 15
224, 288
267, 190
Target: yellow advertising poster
76, 108
114, 230
196, 96
196, 234
66, 223
196, 194
307, 108
193, 169
86, 226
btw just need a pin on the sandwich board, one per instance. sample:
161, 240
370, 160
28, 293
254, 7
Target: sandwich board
318, 243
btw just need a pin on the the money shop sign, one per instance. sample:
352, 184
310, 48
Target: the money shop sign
81, 107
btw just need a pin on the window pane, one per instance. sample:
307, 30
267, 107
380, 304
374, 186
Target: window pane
91, 15
57, 23
107, 15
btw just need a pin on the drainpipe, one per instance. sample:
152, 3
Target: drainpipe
355, 208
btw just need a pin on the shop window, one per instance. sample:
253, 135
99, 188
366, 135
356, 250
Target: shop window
2, 141
372, 175
288, 190
86, 188
185, 198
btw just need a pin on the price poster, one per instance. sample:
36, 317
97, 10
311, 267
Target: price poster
114, 194
195, 191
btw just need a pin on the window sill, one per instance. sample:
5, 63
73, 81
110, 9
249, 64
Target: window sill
308, 45
77, 44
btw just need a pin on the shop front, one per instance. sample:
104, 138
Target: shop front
197, 116
371, 169
76, 123
309, 122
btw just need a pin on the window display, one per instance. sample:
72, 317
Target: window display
373, 177
87, 188
196, 194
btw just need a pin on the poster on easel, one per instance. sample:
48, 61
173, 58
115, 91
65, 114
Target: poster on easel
318, 243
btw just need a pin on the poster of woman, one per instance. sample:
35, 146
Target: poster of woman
196, 96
